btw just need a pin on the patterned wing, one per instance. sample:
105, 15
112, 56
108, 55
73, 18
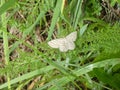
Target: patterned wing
72, 36
59, 43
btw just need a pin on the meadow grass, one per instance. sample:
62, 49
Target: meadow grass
28, 62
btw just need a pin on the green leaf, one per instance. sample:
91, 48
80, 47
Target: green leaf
82, 30
7, 5
27, 76
83, 70
112, 80
28, 30
55, 18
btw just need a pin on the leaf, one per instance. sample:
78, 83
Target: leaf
7, 5
27, 76
83, 70
55, 18
83, 29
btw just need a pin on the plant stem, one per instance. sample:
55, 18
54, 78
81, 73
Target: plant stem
5, 42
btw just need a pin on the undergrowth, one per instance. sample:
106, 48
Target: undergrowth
93, 64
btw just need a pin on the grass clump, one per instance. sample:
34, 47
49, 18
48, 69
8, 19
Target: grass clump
27, 62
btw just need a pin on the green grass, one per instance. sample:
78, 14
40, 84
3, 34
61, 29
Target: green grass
93, 64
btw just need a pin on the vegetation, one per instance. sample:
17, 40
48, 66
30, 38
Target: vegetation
27, 62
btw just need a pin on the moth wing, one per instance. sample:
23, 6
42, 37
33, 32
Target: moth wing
63, 46
55, 43
63, 49
72, 36
71, 45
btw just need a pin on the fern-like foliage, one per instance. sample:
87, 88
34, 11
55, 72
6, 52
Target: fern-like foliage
103, 38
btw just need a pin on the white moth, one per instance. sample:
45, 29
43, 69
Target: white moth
64, 44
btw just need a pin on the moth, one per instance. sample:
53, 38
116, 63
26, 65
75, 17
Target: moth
64, 44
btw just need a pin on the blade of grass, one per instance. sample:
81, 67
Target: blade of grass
85, 69
27, 31
28, 75
78, 13
7, 5
5, 41
55, 18
83, 29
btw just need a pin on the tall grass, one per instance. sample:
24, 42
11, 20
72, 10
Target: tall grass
31, 64
5, 41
